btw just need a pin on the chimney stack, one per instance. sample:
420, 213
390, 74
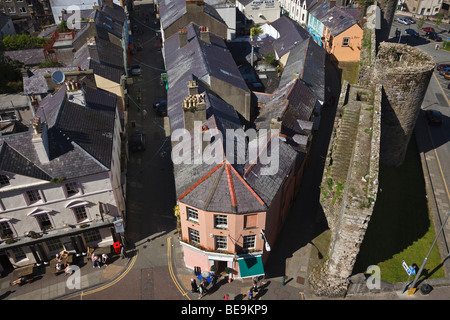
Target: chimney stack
194, 109
182, 36
204, 34
295, 76
40, 140
192, 87
195, 6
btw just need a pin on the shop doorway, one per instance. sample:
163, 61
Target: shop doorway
220, 266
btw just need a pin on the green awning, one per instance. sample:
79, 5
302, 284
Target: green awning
250, 266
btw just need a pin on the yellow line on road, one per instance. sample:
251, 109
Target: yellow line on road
445, 95
172, 275
439, 163
85, 293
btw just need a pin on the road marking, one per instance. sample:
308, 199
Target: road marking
85, 293
445, 95
172, 275
438, 162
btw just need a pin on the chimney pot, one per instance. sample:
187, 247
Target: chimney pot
182, 36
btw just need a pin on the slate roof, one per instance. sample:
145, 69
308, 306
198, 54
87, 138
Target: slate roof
307, 59
172, 10
107, 24
293, 104
36, 84
338, 20
29, 57
321, 10
291, 34
230, 184
196, 60
80, 140
106, 71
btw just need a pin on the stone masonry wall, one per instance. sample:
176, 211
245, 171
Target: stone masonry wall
404, 72
374, 121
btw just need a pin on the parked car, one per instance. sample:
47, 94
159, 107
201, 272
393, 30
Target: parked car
136, 70
443, 71
410, 20
434, 117
136, 142
412, 32
402, 20
161, 108
433, 36
426, 29
447, 75
442, 66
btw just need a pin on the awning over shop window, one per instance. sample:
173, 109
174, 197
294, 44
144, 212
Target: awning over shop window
250, 266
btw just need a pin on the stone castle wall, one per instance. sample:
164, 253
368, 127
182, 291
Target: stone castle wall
404, 72
374, 122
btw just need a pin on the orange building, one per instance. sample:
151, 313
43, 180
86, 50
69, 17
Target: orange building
342, 35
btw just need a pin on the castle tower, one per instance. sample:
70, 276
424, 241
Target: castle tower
404, 73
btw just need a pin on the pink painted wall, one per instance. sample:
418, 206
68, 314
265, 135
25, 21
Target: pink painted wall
234, 233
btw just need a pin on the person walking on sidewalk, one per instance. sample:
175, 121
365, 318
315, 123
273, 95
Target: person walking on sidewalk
194, 285
255, 285
250, 294
200, 292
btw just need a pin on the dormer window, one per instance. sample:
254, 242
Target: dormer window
4, 181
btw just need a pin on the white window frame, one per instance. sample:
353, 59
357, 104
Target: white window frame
219, 221
248, 240
11, 10
192, 214
22, 10
344, 40
194, 236
221, 242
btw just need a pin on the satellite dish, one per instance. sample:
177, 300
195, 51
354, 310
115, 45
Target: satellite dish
58, 77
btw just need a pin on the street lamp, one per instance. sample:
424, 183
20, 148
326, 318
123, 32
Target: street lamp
267, 243
426, 258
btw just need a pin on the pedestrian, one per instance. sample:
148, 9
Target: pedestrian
436, 47
250, 294
194, 285
95, 261
226, 297
203, 285
68, 270
104, 258
200, 292
255, 285
144, 113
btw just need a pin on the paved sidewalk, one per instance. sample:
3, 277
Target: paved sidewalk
48, 286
